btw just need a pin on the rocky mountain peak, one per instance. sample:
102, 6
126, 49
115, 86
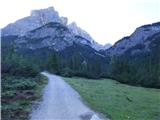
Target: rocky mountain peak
41, 17
36, 19
49, 10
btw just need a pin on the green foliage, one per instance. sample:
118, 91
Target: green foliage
53, 63
16, 84
122, 70
74, 66
144, 70
67, 72
18, 93
21, 83
15, 64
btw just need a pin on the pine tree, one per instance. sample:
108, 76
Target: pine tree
53, 64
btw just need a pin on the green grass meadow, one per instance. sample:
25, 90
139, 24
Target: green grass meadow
118, 101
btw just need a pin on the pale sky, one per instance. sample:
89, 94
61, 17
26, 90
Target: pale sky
105, 20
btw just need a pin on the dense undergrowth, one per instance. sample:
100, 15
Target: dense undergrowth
22, 84
18, 94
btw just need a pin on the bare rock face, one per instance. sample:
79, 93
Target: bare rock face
80, 32
52, 36
107, 46
64, 20
36, 19
138, 38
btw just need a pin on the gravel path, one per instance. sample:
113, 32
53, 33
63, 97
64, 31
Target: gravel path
61, 102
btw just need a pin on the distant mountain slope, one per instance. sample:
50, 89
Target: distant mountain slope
139, 37
52, 35
136, 59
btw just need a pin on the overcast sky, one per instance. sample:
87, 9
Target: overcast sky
105, 20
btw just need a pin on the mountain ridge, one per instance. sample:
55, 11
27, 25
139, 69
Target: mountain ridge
139, 36
41, 17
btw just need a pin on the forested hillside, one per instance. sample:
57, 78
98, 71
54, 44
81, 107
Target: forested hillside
139, 65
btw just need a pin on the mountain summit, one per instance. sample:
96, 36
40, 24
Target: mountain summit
39, 18
36, 19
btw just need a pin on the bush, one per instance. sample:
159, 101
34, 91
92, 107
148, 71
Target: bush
67, 72
14, 64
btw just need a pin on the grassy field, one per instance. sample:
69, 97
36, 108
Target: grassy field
118, 101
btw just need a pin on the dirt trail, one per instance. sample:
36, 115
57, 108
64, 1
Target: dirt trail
61, 102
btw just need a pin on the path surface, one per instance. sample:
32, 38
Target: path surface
61, 102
